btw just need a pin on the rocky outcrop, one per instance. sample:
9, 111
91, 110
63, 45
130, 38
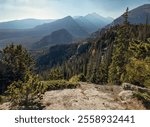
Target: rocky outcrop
132, 92
90, 97
126, 95
83, 48
5, 106
128, 86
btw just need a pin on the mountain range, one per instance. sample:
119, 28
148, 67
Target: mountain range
24, 23
78, 27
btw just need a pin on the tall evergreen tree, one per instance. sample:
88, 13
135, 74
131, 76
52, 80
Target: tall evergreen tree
17, 62
23, 89
125, 15
120, 47
119, 57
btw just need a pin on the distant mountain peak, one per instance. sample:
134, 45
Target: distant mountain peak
68, 18
97, 19
94, 14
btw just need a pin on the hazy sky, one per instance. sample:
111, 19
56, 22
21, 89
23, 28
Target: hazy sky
47, 9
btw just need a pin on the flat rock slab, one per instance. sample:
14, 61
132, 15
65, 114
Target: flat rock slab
5, 106
88, 97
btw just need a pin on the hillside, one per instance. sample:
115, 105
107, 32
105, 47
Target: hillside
82, 50
56, 55
58, 37
138, 15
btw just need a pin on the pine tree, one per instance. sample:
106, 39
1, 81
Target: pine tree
125, 15
25, 94
146, 27
23, 89
119, 58
17, 62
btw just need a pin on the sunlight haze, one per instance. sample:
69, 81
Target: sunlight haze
55, 9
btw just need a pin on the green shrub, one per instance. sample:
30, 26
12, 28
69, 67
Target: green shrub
144, 97
25, 95
3, 99
55, 74
138, 72
78, 78
58, 85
